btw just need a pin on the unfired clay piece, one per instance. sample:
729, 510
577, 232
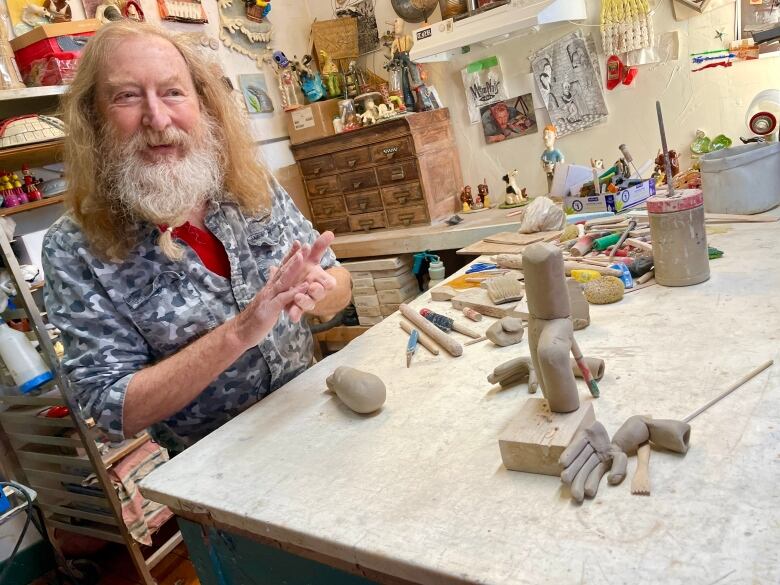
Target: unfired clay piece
360, 391
604, 290
580, 308
550, 331
595, 365
506, 331
515, 371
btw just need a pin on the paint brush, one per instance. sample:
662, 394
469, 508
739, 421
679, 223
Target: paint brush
586, 375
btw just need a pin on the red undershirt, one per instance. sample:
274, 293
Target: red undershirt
206, 245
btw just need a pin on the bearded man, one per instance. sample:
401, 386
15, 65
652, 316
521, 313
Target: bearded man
181, 270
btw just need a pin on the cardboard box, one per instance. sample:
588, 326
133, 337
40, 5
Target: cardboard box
312, 122
615, 202
48, 31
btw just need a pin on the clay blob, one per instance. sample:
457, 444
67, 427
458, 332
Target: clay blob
360, 391
506, 331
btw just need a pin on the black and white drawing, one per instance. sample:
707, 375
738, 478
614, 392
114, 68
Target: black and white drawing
363, 10
566, 75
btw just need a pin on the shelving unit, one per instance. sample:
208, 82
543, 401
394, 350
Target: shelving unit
32, 205
35, 154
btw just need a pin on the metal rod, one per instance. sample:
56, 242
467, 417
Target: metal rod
731, 389
667, 162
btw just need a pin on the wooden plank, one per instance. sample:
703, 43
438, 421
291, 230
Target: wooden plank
536, 437
479, 300
73, 513
47, 474
483, 248
522, 239
45, 440
58, 496
103, 534
391, 263
26, 456
343, 334
32, 92
23, 416
127, 447
164, 549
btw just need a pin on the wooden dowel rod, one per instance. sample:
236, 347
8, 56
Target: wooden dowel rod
425, 326
423, 339
731, 389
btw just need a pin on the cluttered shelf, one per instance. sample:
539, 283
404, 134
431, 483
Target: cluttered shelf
32, 205
32, 92
33, 155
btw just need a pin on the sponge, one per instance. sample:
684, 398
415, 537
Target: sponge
604, 290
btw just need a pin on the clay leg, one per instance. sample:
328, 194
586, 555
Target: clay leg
594, 479
631, 434
674, 435
595, 365
552, 352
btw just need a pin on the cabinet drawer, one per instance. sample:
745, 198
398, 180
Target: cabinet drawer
396, 195
337, 226
391, 150
314, 167
367, 221
406, 216
402, 171
328, 207
357, 180
350, 159
364, 201
323, 187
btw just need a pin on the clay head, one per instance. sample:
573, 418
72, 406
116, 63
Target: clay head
545, 282
550, 134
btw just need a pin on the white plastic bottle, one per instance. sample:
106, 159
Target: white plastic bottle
20, 357
436, 272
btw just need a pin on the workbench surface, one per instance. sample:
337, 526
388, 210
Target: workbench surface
418, 490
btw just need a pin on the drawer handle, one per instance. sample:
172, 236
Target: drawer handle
316, 171
366, 224
397, 175
406, 218
402, 198
322, 189
327, 210
356, 184
362, 203
352, 162
390, 154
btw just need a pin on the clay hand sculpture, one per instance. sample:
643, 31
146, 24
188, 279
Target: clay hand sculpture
520, 370
550, 330
591, 454
362, 392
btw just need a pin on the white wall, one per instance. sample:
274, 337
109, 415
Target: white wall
713, 100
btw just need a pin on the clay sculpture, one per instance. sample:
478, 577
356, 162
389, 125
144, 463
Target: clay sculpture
580, 308
360, 391
506, 331
550, 330
591, 454
520, 370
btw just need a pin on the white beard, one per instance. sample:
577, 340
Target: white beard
166, 190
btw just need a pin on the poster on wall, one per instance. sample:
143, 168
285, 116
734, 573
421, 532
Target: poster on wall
757, 16
568, 82
255, 91
484, 83
363, 11
509, 119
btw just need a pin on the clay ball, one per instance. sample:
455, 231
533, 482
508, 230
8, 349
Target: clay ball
604, 290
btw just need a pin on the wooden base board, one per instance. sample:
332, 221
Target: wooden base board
479, 300
536, 437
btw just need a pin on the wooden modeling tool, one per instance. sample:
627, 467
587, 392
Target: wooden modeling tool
422, 339
452, 346
730, 389
640, 483
411, 346
477, 340
446, 324
470, 313
586, 375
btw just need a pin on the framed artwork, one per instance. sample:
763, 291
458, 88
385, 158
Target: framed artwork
364, 12
698, 5
255, 91
509, 119
754, 16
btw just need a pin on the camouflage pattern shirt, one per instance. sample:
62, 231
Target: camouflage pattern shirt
119, 317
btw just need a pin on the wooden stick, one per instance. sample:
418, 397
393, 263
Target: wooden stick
645, 277
477, 340
639, 244
731, 389
423, 339
516, 261
462, 329
516, 212
425, 326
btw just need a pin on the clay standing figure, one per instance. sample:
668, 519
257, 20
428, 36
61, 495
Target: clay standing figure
551, 155
660, 164
550, 330
484, 193
330, 74
466, 199
514, 195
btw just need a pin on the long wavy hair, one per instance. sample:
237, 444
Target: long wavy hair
109, 232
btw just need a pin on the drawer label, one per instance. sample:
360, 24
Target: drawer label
390, 150
303, 118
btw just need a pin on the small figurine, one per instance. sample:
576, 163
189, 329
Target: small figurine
484, 193
551, 155
287, 82
514, 195
330, 74
133, 11
257, 10
59, 10
465, 198
660, 164
622, 173
370, 110
29, 187
386, 111
478, 203
311, 83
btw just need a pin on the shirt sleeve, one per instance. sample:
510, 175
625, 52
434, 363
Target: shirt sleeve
302, 228
102, 348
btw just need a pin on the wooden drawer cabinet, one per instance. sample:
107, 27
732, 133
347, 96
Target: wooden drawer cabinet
396, 174
406, 216
323, 187
315, 167
406, 194
328, 207
391, 150
367, 221
364, 201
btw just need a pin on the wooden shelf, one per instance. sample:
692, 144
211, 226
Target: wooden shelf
35, 155
33, 205
32, 92
115, 454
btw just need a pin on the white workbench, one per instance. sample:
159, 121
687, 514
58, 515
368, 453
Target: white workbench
418, 491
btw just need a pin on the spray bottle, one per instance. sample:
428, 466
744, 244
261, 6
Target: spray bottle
20, 357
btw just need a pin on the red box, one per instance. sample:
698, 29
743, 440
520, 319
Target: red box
60, 41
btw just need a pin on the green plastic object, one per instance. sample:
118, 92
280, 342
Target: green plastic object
720, 142
701, 145
606, 242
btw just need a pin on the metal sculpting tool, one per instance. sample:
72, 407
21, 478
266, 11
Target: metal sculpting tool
667, 161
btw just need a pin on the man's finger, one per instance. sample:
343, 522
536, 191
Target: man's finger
320, 245
304, 301
289, 273
316, 291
